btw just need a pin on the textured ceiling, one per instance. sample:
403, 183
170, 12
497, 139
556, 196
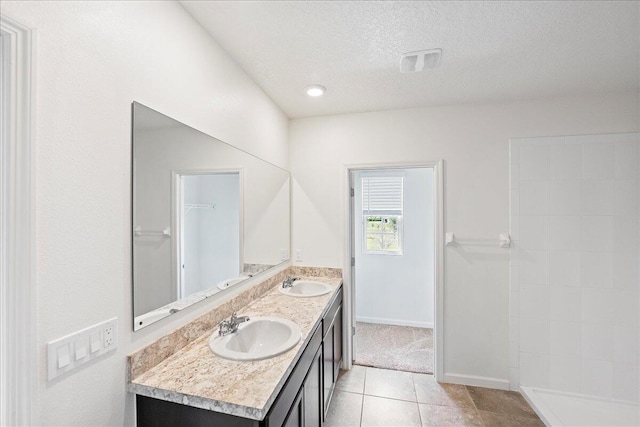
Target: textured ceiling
492, 51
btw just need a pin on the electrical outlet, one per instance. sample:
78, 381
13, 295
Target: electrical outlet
108, 336
298, 254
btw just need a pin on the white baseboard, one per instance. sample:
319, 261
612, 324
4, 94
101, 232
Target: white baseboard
396, 322
473, 380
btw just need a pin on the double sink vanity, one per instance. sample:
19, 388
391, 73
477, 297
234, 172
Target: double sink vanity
208, 221
274, 363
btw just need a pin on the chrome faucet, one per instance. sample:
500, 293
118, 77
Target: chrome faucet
231, 326
288, 282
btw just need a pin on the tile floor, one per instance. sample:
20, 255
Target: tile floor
379, 397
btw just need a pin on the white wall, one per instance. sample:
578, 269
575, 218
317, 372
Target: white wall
473, 141
574, 287
399, 289
93, 59
267, 231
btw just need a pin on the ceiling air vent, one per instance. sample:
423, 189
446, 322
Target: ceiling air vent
422, 60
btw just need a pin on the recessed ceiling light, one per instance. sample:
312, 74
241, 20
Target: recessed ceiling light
315, 90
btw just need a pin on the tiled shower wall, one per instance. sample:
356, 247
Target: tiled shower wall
575, 222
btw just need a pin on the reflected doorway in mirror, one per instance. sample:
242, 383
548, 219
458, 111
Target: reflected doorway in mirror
208, 212
169, 156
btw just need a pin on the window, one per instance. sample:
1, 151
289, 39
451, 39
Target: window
382, 214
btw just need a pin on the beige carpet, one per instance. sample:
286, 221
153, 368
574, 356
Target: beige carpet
401, 348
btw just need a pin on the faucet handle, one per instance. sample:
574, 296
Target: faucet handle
223, 327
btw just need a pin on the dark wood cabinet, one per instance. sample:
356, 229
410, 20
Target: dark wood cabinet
332, 349
313, 393
295, 383
151, 412
327, 367
302, 402
337, 344
295, 417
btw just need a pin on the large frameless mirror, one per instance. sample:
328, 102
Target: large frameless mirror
206, 216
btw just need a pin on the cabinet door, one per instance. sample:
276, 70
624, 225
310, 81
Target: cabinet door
313, 394
294, 419
327, 366
337, 343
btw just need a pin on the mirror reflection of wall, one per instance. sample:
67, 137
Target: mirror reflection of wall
206, 216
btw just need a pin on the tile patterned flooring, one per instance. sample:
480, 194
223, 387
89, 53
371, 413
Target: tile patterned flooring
379, 397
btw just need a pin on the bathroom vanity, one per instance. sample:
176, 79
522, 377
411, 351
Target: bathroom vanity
197, 388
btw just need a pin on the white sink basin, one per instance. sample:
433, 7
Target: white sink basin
306, 288
257, 338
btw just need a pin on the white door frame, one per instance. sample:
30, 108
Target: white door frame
18, 368
347, 277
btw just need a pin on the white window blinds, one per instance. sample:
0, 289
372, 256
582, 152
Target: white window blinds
382, 195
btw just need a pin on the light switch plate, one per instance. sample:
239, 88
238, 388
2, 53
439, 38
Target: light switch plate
63, 356
82, 349
73, 350
94, 339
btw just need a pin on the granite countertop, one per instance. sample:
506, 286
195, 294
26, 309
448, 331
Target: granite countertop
196, 377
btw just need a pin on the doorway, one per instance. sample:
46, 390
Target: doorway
394, 271
394, 268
